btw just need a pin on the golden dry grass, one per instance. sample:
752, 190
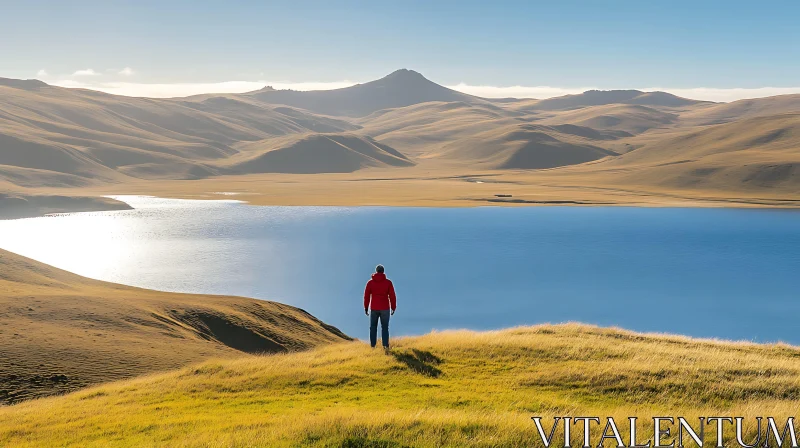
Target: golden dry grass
60, 332
445, 187
449, 389
314, 153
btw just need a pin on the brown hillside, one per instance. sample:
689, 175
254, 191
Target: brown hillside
601, 97
522, 147
87, 137
758, 153
424, 128
633, 119
60, 332
737, 110
98, 144
315, 153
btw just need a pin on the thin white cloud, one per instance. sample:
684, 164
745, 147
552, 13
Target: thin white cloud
42, 73
86, 72
165, 90
127, 71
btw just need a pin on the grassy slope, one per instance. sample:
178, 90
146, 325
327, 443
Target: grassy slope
737, 110
667, 162
623, 117
755, 155
523, 147
80, 137
60, 332
423, 187
452, 389
314, 154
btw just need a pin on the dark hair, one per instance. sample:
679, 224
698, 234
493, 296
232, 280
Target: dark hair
379, 269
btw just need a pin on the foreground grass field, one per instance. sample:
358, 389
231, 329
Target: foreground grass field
451, 389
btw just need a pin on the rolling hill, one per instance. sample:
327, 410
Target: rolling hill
633, 119
424, 128
315, 153
742, 109
74, 137
63, 142
603, 97
523, 147
757, 154
445, 389
60, 332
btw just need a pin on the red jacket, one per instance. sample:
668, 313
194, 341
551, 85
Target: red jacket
381, 290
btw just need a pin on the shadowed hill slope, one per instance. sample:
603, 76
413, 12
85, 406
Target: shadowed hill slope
737, 110
398, 89
522, 147
78, 137
315, 153
423, 128
761, 153
60, 332
27, 84
633, 119
446, 389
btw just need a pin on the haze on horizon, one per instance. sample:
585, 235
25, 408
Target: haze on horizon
718, 51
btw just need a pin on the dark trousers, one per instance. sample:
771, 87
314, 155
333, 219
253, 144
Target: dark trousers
383, 315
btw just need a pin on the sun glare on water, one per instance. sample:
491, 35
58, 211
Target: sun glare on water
101, 245
88, 243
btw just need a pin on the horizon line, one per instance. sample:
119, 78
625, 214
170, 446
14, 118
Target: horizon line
185, 89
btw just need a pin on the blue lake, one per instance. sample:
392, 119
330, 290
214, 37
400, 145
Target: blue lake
725, 273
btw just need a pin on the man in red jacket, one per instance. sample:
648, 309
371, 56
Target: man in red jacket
379, 297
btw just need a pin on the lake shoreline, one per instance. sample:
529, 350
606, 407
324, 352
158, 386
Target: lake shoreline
446, 188
21, 206
103, 202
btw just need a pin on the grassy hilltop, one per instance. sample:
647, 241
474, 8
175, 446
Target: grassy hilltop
450, 389
60, 332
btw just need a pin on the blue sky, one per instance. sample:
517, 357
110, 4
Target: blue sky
567, 45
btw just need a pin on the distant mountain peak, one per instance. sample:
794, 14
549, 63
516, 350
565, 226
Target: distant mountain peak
405, 78
400, 88
26, 84
613, 95
405, 73
614, 91
603, 97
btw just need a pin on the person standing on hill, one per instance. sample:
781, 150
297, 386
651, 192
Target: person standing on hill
379, 297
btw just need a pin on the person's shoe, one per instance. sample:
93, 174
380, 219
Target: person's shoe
386, 350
